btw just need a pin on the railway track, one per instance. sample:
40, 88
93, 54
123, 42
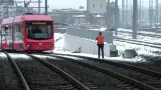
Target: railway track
143, 34
92, 79
134, 77
28, 69
39, 74
138, 41
8, 77
132, 41
122, 78
150, 66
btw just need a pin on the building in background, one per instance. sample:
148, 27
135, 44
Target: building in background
96, 6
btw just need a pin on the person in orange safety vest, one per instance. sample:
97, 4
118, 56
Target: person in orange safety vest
100, 44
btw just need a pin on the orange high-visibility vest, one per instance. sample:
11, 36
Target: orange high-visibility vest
100, 39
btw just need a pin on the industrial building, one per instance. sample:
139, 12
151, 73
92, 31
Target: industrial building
96, 6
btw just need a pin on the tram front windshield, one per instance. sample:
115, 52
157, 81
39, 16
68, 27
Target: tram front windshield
39, 30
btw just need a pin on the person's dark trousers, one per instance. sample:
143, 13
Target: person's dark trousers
100, 47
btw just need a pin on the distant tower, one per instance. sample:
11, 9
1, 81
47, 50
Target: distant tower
96, 6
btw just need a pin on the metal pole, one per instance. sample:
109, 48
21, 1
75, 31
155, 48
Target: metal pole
135, 19
46, 6
6, 11
39, 6
13, 32
126, 19
139, 16
131, 14
108, 14
151, 12
116, 16
1, 37
156, 15
16, 10
123, 12
159, 14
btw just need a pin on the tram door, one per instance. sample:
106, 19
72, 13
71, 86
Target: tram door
13, 35
4, 36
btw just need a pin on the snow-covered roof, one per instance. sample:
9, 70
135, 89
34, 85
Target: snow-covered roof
99, 15
79, 16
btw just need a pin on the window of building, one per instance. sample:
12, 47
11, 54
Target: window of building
100, 5
93, 5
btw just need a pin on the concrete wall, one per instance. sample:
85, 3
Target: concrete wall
90, 34
87, 46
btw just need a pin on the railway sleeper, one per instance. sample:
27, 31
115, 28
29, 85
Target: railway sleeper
154, 83
91, 86
67, 87
128, 88
123, 85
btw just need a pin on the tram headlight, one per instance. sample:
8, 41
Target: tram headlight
50, 45
28, 45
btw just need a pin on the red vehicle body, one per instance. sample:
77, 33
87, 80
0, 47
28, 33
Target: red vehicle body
28, 32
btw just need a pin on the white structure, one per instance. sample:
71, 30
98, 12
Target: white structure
96, 6
86, 46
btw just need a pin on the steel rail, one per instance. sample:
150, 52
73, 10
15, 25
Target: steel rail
111, 73
140, 43
118, 38
61, 72
123, 65
18, 71
132, 67
141, 34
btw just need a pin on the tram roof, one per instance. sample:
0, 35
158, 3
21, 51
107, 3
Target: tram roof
26, 18
37, 17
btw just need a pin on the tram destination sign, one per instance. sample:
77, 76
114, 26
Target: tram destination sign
38, 22
6, 2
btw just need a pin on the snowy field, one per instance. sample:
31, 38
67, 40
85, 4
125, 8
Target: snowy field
121, 46
139, 37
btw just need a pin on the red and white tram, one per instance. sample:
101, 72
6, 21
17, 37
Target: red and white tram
29, 32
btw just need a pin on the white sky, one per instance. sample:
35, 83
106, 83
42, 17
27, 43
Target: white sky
59, 4
77, 3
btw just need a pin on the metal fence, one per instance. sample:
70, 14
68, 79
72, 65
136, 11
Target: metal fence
89, 34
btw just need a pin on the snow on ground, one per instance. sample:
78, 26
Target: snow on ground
129, 30
17, 56
2, 55
139, 37
137, 59
121, 46
43, 57
140, 49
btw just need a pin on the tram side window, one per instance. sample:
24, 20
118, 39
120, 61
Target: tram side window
6, 33
9, 33
18, 31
